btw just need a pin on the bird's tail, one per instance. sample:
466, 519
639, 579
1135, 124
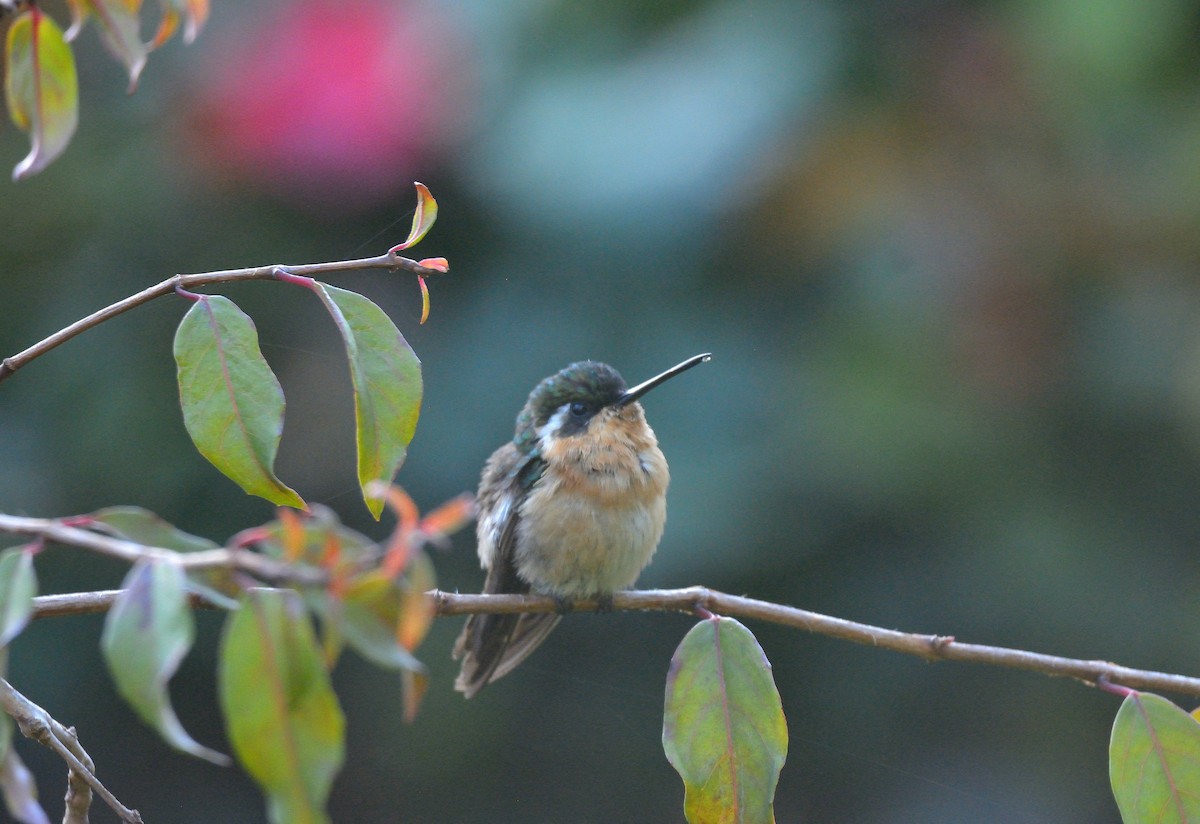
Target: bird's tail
490, 646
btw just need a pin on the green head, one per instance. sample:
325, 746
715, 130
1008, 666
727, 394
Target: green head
575, 394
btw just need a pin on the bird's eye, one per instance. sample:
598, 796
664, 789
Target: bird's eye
579, 409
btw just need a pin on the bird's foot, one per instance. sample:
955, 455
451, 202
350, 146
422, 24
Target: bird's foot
604, 603
563, 605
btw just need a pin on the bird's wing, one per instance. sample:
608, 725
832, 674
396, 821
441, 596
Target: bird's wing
490, 646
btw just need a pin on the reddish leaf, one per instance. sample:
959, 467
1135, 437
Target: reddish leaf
416, 611
194, 12
41, 88
448, 518
413, 686
400, 543
279, 539
439, 263
423, 218
292, 534
424, 299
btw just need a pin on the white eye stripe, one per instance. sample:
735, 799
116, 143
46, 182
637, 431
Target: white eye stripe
547, 430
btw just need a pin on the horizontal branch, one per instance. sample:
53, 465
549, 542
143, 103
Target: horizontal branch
692, 600
390, 260
929, 647
90, 603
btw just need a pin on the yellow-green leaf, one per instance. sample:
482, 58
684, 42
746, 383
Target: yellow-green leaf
119, 26
232, 402
387, 387
1154, 761
281, 713
723, 725
41, 88
18, 585
146, 634
423, 218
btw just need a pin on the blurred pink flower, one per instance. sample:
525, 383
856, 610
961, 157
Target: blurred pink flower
339, 104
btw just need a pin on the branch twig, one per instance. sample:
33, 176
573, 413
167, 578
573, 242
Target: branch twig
258, 565
389, 260
38, 725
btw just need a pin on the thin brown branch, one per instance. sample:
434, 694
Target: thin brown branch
928, 647
91, 603
78, 800
260, 566
38, 725
389, 260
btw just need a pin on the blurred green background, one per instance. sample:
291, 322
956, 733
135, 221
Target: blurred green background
945, 255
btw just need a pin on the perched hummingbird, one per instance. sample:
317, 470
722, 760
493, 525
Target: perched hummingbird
573, 506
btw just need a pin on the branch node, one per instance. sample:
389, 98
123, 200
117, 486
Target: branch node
187, 294
1103, 682
285, 275
938, 644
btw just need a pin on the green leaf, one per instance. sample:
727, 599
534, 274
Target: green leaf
18, 585
280, 710
387, 386
1154, 761
723, 725
423, 218
232, 402
146, 634
41, 88
119, 25
133, 523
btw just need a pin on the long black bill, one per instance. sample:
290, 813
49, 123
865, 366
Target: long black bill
642, 388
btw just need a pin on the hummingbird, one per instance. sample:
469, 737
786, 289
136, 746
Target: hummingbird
572, 507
